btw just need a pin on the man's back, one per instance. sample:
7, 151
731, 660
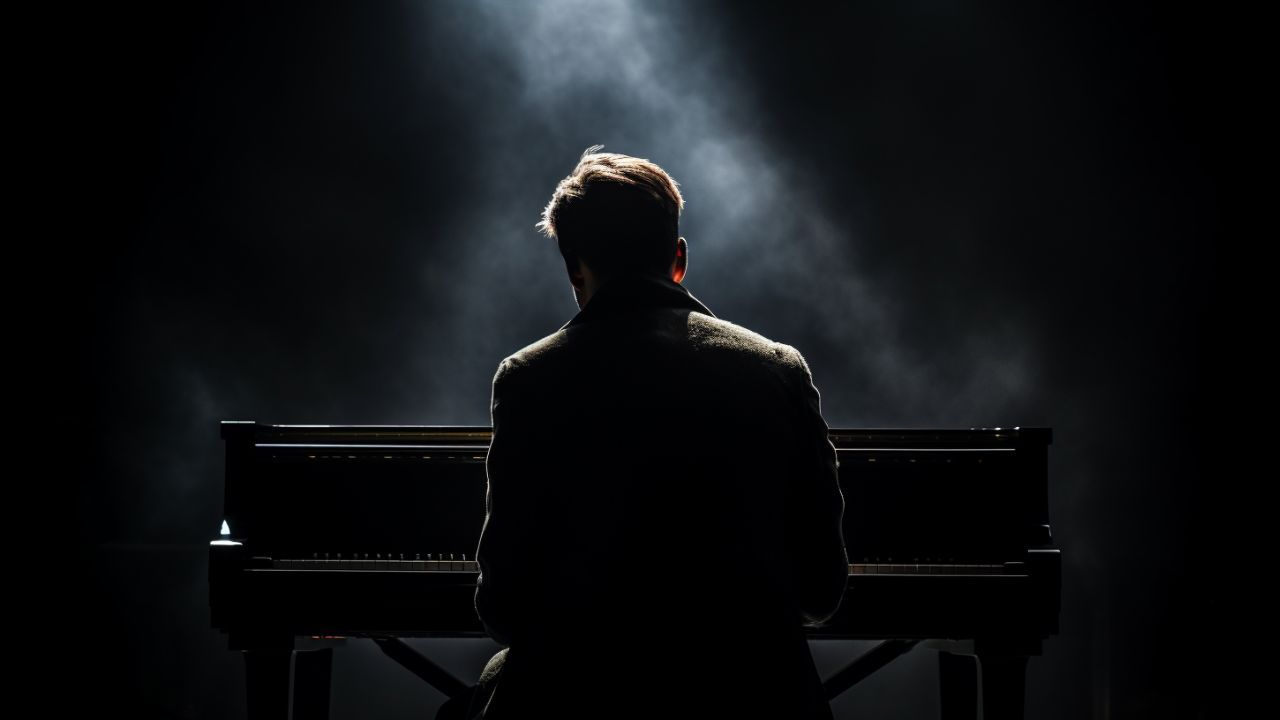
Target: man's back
663, 515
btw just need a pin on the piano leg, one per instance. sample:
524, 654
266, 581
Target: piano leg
1004, 681
266, 674
267, 683
312, 672
958, 686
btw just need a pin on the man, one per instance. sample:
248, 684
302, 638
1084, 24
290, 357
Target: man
663, 512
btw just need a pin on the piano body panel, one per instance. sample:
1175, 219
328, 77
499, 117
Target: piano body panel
945, 496
347, 603
942, 607
416, 604
299, 493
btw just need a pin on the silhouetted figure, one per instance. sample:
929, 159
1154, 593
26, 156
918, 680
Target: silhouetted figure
663, 507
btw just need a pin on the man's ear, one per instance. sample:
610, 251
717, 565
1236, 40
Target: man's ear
681, 264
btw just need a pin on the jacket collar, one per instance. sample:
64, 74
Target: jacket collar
637, 291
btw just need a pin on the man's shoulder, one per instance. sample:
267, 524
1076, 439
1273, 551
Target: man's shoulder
537, 352
705, 332
716, 334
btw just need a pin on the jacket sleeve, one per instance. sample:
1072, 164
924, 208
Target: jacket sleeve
505, 541
819, 564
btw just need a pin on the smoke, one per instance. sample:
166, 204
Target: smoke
661, 81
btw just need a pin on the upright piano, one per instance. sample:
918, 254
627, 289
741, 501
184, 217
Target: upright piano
367, 531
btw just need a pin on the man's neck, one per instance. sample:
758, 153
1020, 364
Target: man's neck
593, 281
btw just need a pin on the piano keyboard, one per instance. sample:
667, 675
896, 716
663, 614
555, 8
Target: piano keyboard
379, 562
460, 564
1014, 569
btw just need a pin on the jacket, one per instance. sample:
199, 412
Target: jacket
663, 516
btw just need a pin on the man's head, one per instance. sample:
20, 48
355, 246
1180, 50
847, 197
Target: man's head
616, 215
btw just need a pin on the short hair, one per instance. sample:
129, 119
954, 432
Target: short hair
618, 214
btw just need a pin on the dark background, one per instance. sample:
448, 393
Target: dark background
963, 215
